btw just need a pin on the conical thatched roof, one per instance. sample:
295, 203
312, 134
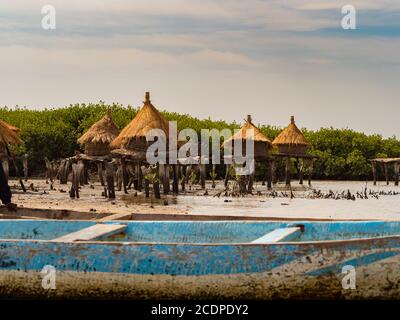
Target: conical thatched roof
291, 136
146, 119
8, 133
103, 131
242, 134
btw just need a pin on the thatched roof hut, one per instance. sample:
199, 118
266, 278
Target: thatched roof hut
99, 136
8, 135
262, 145
133, 136
291, 140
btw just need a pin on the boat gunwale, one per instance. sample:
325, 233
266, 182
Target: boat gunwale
131, 243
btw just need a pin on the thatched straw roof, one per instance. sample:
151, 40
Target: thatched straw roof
242, 134
291, 135
8, 133
146, 119
103, 131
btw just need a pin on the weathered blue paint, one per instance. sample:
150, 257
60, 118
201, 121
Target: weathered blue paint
191, 248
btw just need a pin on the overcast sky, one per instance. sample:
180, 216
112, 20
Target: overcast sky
217, 58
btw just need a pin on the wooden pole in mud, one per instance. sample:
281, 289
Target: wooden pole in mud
74, 191
396, 173
6, 168
81, 172
385, 167
202, 175
166, 179
273, 170
269, 174
226, 175
110, 173
310, 171
251, 182
25, 166
373, 165
100, 172
287, 171
183, 175
175, 183
140, 178
300, 169
124, 174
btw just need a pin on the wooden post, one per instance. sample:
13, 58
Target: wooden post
100, 172
81, 172
61, 172
269, 174
202, 176
6, 168
287, 171
300, 169
385, 167
146, 188
396, 173
140, 178
183, 179
74, 191
175, 182
166, 179
273, 170
213, 177
110, 173
226, 175
124, 175
25, 166
251, 182
310, 171
373, 164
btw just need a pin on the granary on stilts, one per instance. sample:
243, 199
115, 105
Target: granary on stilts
291, 143
96, 143
262, 149
131, 145
9, 136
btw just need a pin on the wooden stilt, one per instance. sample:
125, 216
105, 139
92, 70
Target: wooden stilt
300, 168
251, 182
226, 175
273, 170
124, 175
310, 171
81, 172
287, 171
6, 168
175, 182
183, 179
110, 173
74, 191
100, 172
373, 164
385, 168
269, 174
213, 176
25, 166
140, 178
166, 179
396, 173
202, 175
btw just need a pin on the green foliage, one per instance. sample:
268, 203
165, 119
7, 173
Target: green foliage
52, 133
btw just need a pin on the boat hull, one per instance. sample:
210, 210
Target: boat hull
228, 271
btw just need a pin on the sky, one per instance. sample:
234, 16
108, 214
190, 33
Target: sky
222, 59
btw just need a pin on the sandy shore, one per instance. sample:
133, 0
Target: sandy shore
261, 204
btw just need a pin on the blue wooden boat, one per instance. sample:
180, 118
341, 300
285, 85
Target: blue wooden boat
207, 259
